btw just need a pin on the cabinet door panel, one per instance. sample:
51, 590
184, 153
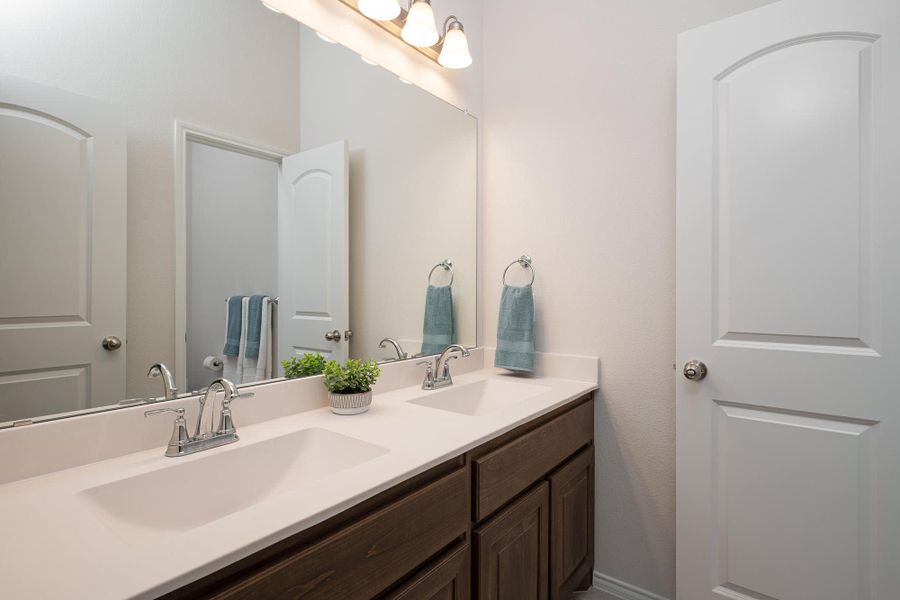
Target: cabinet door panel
571, 524
447, 579
513, 550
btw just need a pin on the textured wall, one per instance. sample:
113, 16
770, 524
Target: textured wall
579, 171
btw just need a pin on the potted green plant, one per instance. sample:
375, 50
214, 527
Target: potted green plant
350, 385
304, 366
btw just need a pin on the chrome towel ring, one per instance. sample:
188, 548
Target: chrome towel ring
447, 265
525, 262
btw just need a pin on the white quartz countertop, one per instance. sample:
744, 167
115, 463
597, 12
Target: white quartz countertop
55, 543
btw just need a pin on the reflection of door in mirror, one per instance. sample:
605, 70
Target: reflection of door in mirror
232, 201
62, 251
314, 252
255, 228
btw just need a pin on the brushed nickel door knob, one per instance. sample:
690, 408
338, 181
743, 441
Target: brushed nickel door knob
694, 370
111, 343
333, 336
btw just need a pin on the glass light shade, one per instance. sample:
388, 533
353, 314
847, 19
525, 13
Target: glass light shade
455, 51
419, 30
380, 10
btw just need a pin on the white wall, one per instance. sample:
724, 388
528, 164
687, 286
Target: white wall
412, 191
232, 244
219, 64
579, 170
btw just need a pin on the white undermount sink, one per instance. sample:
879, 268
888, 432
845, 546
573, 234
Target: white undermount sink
480, 397
203, 489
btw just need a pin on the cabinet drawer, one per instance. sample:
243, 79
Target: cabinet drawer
512, 468
362, 560
448, 578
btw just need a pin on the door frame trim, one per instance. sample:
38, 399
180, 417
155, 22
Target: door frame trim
184, 133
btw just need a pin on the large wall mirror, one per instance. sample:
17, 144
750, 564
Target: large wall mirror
213, 186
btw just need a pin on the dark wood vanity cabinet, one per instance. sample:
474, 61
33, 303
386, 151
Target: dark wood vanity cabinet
514, 550
572, 525
448, 578
510, 520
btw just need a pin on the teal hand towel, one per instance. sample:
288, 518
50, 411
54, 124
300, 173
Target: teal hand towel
437, 331
515, 330
233, 327
254, 320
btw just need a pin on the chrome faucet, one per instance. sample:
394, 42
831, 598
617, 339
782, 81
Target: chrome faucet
230, 394
401, 355
161, 370
439, 376
182, 444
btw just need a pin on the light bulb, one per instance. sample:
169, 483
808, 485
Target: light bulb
380, 10
455, 50
419, 29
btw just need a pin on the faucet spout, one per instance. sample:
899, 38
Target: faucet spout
401, 355
161, 370
442, 366
217, 385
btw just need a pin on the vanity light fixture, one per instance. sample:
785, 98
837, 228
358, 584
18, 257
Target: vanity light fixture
455, 46
416, 27
419, 29
380, 10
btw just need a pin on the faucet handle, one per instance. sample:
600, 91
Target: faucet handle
445, 371
180, 436
429, 374
159, 411
226, 402
226, 423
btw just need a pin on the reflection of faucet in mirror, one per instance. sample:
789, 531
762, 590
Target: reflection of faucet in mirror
159, 369
440, 377
401, 354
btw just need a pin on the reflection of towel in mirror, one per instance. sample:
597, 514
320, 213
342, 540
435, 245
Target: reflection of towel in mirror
233, 370
437, 331
233, 327
258, 355
515, 330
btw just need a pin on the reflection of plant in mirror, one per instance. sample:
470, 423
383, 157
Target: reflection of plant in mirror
304, 366
354, 377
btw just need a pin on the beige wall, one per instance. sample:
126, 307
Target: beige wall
579, 171
219, 64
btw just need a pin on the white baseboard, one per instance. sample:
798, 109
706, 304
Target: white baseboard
621, 590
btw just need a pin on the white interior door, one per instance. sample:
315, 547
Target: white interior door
313, 253
62, 250
788, 289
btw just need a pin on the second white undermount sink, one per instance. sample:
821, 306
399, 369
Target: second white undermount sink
480, 397
202, 489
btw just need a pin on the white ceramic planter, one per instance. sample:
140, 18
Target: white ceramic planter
350, 404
